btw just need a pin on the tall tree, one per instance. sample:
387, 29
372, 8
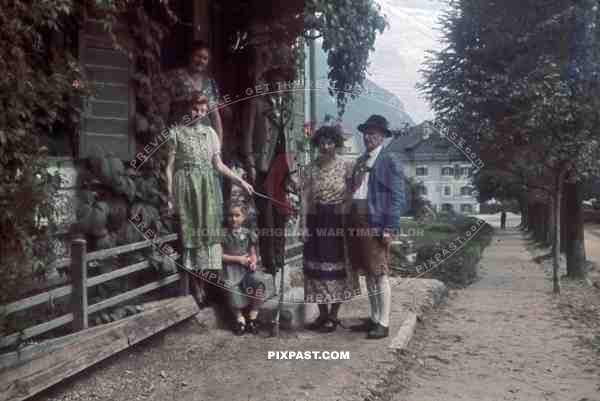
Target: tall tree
522, 86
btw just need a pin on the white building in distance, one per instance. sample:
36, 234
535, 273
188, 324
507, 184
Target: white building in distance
445, 171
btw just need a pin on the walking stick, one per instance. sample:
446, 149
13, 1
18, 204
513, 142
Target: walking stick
277, 316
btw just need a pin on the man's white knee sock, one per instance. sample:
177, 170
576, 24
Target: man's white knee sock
372, 288
384, 300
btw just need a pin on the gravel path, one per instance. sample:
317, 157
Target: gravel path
503, 338
190, 363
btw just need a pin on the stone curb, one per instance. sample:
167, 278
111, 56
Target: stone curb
436, 293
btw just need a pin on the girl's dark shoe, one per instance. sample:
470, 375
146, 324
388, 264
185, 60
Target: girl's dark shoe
239, 328
252, 327
330, 325
317, 324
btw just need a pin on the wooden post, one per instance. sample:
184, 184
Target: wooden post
184, 283
79, 302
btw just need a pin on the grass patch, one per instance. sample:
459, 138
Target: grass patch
423, 234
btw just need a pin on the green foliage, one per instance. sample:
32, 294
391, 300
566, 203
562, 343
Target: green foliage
37, 97
418, 200
459, 262
348, 29
443, 228
524, 89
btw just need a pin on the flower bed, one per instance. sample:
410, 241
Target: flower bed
447, 251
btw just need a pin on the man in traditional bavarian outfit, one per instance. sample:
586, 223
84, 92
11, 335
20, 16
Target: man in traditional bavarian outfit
378, 199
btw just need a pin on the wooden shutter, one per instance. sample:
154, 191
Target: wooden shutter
107, 123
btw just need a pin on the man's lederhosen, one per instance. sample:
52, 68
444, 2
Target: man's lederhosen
369, 255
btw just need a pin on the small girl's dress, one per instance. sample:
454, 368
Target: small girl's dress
238, 278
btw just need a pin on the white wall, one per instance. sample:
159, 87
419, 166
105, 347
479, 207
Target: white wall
435, 184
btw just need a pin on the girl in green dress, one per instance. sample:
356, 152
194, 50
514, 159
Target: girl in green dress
195, 195
246, 287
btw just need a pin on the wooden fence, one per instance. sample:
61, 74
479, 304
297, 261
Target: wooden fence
78, 289
31, 369
80, 283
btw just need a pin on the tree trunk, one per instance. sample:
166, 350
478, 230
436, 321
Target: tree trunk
530, 216
575, 247
523, 208
563, 220
556, 244
550, 225
540, 227
556, 204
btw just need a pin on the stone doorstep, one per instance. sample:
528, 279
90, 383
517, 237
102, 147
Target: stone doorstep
294, 314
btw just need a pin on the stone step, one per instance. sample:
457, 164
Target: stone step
294, 314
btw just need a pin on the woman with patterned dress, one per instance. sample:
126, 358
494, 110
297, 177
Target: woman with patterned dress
325, 193
192, 82
195, 195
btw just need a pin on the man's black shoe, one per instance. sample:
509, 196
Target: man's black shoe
367, 325
378, 331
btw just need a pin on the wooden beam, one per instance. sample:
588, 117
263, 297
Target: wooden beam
34, 331
92, 281
201, 21
117, 299
106, 253
38, 299
46, 365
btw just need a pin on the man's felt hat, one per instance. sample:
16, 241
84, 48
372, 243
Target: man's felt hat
378, 122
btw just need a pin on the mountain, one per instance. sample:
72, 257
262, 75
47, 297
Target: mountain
376, 100
414, 28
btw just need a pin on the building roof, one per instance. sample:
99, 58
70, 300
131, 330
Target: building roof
436, 147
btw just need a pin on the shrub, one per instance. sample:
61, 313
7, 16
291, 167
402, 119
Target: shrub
442, 227
458, 270
461, 268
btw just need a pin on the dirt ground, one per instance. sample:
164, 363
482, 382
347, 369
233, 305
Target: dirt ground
191, 362
505, 337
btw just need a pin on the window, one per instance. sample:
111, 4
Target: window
106, 121
446, 207
466, 191
447, 171
466, 208
466, 171
447, 191
422, 190
422, 171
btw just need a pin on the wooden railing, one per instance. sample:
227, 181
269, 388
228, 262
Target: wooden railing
78, 289
80, 283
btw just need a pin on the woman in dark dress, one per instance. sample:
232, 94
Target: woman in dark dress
325, 194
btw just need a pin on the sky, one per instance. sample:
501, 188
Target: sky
401, 49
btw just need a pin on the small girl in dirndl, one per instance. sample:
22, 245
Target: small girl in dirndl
245, 286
